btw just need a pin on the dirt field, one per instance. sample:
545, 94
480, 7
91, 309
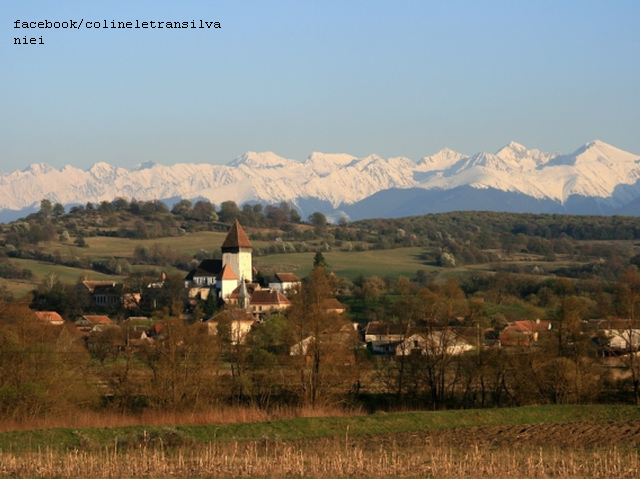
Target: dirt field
576, 435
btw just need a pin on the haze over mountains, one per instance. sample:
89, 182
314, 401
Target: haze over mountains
597, 178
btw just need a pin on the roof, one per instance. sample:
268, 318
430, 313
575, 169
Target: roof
532, 326
97, 319
378, 328
238, 315
109, 288
50, 317
268, 297
287, 278
227, 273
92, 285
209, 267
333, 304
613, 324
236, 238
251, 287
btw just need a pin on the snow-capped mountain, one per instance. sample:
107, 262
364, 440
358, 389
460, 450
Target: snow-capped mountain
522, 179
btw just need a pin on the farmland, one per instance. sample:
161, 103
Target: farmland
539, 441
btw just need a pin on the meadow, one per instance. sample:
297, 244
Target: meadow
536, 441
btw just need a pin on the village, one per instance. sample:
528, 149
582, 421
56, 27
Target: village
243, 305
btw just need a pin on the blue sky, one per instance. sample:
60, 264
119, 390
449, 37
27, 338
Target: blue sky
392, 78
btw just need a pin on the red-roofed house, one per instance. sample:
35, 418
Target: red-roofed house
268, 300
523, 333
50, 317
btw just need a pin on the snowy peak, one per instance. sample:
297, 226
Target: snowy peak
323, 164
595, 151
440, 161
147, 165
38, 169
483, 160
596, 170
264, 159
519, 158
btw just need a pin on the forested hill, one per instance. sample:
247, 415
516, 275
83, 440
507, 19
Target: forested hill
153, 219
549, 226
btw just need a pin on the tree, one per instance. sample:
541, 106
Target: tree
324, 337
319, 223
294, 216
204, 211
46, 208
80, 241
184, 365
182, 208
628, 299
229, 212
58, 210
319, 261
42, 367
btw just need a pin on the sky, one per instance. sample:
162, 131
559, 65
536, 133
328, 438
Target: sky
360, 77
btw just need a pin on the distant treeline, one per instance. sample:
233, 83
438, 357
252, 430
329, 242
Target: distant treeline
549, 226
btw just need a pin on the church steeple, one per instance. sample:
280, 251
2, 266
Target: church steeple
236, 239
237, 252
243, 296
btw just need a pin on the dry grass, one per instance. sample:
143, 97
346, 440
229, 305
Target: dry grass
329, 458
220, 415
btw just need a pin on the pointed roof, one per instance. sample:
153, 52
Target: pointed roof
227, 273
236, 238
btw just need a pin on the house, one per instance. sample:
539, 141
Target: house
437, 342
108, 294
234, 324
206, 274
332, 305
380, 331
285, 282
89, 323
50, 317
523, 333
383, 338
336, 341
616, 335
267, 300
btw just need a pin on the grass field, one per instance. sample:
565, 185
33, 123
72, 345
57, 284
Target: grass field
321, 427
383, 263
106, 247
541, 441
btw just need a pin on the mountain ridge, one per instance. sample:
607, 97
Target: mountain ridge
597, 170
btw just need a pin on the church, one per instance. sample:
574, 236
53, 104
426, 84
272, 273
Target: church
231, 278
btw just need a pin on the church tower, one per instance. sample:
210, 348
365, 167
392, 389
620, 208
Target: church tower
237, 252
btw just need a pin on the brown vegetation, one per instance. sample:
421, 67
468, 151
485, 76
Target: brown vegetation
419, 456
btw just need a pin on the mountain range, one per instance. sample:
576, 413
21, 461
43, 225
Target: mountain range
597, 178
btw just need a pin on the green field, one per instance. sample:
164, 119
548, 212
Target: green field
383, 263
107, 247
313, 428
